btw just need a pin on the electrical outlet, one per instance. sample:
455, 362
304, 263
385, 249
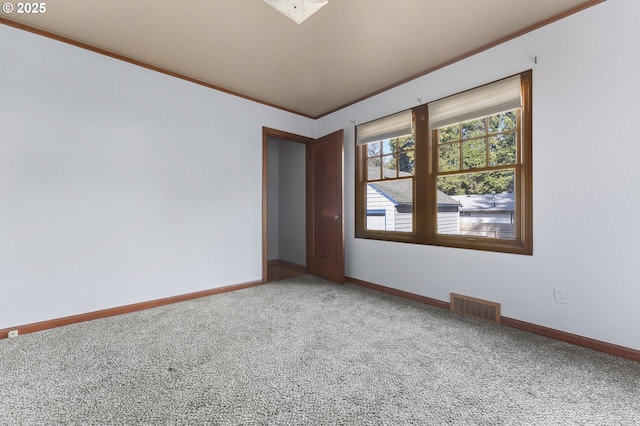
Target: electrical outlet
13, 333
560, 294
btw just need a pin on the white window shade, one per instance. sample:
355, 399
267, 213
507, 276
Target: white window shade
501, 96
393, 126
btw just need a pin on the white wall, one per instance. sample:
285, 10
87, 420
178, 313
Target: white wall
286, 201
585, 100
273, 199
293, 218
120, 185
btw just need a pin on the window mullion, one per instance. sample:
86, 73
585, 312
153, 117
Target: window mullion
423, 192
461, 149
487, 153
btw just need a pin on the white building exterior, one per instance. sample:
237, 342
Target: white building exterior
383, 214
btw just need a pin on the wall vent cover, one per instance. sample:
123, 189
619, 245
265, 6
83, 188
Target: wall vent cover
478, 308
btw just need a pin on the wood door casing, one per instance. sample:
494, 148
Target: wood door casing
325, 207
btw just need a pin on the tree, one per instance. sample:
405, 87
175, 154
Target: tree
404, 154
481, 143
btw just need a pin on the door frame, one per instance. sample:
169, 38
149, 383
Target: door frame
289, 137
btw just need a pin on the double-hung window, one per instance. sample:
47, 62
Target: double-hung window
388, 151
455, 172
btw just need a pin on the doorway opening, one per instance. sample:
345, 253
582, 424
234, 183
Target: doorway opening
284, 199
310, 223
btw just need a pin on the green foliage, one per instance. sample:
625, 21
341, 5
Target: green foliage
471, 129
477, 183
502, 149
474, 153
474, 144
502, 122
449, 157
448, 134
403, 154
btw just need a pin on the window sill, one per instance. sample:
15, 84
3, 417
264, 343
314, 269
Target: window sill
462, 242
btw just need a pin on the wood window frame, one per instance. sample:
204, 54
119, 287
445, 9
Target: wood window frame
425, 227
362, 179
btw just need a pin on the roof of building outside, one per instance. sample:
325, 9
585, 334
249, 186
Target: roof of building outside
504, 201
401, 192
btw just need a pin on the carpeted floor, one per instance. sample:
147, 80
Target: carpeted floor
305, 352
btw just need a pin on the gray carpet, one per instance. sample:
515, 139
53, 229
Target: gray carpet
305, 351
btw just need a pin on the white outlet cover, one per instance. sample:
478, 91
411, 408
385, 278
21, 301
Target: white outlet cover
560, 295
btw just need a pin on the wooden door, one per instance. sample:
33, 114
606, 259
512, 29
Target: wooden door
325, 207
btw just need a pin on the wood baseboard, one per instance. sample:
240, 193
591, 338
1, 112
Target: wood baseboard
597, 345
399, 293
59, 322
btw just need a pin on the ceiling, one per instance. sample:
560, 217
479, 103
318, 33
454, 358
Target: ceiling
347, 51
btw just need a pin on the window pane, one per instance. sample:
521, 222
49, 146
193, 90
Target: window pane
390, 205
449, 157
473, 128
474, 153
406, 163
502, 122
502, 149
486, 204
388, 146
389, 163
374, 169
447, 134
373, 149
404, 143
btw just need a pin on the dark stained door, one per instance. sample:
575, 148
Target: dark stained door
325, 204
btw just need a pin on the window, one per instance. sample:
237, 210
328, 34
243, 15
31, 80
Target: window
388, 148
455, 172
